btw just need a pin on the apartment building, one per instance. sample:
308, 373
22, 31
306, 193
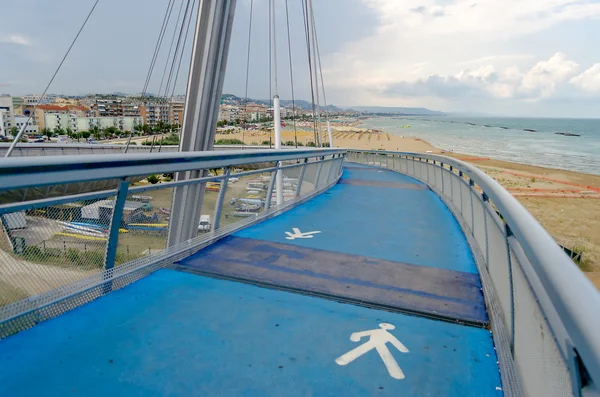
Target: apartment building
81, 123
43, 110
176, 112
154, 112
30, 128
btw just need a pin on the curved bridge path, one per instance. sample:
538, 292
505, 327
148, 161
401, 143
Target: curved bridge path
369, 289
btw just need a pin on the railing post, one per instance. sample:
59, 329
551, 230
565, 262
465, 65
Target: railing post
220, 199
340, 165
301, 177
507, 234
472, 187
442, 175
270, 190
320, 166
452, 175
113, 234
460, 189
486, 200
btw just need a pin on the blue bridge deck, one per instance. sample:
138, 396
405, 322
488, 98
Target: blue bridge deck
396, 310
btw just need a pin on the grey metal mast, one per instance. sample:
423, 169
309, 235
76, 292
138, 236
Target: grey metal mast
204, 88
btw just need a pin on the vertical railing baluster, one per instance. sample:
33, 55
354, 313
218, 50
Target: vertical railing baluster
221, 198
472, 187
301, 177
270, 190
507, 234
319, 167
113, 234
486, 203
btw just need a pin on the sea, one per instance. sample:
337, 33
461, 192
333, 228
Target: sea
532, 141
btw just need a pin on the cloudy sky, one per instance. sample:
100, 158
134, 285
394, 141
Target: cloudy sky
508, 57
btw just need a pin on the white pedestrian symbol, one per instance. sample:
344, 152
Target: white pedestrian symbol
378, 339
298, 234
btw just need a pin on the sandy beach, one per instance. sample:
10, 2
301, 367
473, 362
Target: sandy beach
566, 203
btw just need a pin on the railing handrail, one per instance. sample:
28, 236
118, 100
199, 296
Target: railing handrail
23, 172
570, 292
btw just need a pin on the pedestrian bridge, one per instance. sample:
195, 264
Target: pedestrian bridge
380, 274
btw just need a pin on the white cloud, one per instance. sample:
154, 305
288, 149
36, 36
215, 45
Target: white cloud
439, 49
540, 81
589, 80
14, 39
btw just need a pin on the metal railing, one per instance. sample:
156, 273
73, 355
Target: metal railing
545, 314
105, 220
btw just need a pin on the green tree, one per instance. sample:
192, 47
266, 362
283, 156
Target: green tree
95, 132
147, 129
85, 134
14, 131
138, 128
69, 132
59, 131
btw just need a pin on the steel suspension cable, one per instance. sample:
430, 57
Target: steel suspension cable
287, 16
312, 92
189, 24
157, 47
20, 133
247, 76
318, 56
310, 17
171, 46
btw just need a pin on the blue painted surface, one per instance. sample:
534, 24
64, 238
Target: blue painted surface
178, 334
421, 289
375, 174
402, 225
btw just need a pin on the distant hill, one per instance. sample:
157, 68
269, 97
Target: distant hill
383, 110
230, 99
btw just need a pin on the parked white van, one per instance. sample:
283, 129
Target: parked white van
204, 225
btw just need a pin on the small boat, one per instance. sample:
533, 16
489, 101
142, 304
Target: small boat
566, 134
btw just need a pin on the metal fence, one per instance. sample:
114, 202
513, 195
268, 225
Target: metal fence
103, 221
545, 314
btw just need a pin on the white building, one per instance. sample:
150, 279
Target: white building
78, 123
4, 121
6, 106
20, 121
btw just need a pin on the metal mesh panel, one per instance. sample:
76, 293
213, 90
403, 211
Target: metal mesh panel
466, 208
498, 267
447, 183
291, 179
479, 223
403, 165
539, 363
324, 174
49, 247
437, 174
310, 177
456, 191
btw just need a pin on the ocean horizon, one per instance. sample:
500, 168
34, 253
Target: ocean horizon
532, 141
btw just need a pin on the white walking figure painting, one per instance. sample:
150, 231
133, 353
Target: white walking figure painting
378, 340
